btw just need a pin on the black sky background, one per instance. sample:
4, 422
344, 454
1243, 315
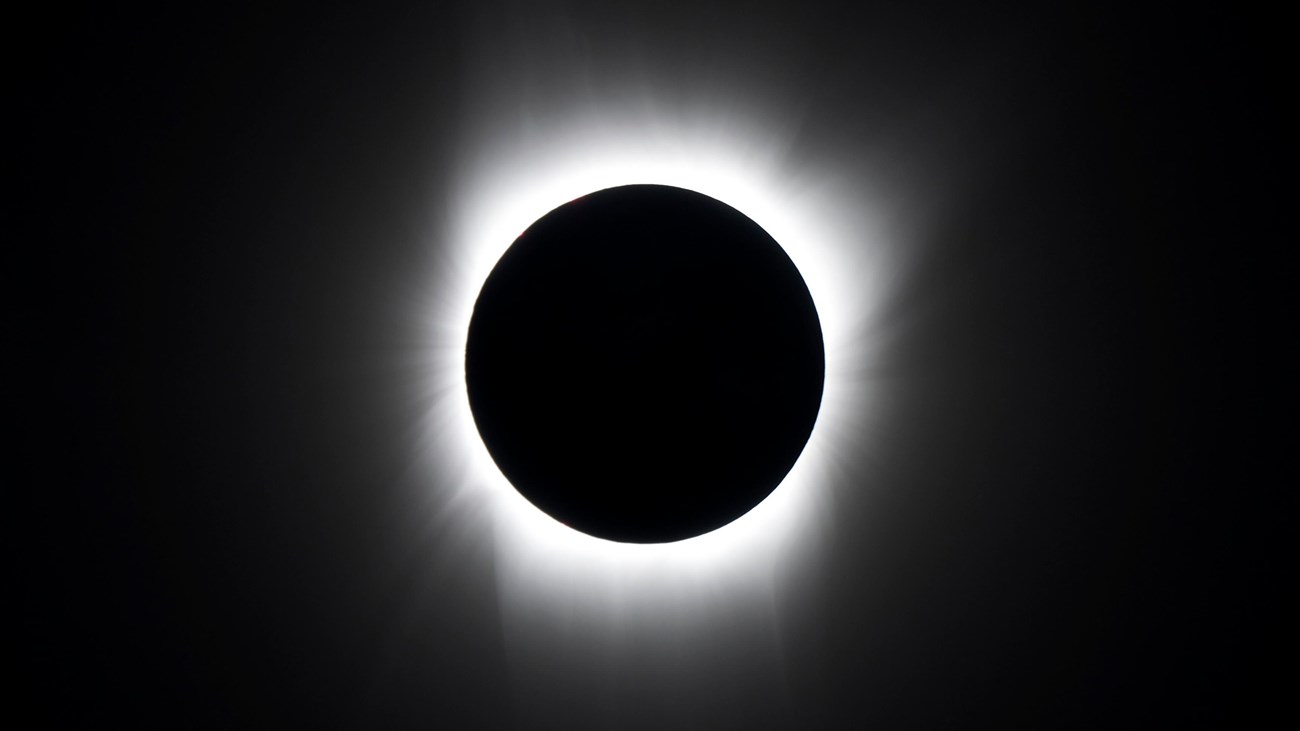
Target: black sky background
222, 217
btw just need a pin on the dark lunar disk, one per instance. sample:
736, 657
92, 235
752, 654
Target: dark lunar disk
645, 364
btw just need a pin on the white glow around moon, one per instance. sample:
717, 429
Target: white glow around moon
825, 230
520, 160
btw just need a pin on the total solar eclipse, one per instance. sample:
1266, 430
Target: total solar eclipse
645, 364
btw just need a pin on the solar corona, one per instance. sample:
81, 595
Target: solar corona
570, 536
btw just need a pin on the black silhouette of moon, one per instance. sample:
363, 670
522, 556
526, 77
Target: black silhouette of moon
645, 364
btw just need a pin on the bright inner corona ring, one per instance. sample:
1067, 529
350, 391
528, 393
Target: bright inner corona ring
511, 180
